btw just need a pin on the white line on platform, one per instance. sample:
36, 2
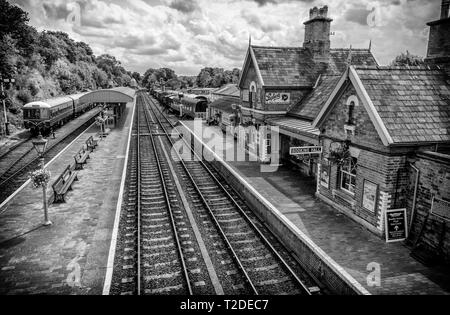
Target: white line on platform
314, 247
115, 232
46, 165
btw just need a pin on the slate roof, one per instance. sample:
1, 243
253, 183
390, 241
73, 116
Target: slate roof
229, 90
225, 103
413, 103
309, 107
295, 66
295, 125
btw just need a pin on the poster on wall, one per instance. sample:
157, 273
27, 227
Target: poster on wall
370, 193
278, 98
395, 225
325, 175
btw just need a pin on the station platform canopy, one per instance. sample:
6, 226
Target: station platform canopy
116, 95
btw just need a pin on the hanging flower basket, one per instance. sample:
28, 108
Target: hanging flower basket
339, 155
40, 178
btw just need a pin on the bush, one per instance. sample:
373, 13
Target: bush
24, 96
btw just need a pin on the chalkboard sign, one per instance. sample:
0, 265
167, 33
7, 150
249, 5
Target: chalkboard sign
396, 226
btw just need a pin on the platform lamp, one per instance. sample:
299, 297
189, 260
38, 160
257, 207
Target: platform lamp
40, 145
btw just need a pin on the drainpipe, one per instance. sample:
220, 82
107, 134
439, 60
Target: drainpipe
416, 187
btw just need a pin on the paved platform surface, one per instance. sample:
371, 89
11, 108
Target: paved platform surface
346, 242
71, 256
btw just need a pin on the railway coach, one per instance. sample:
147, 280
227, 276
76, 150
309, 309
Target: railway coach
192, 106
53, 113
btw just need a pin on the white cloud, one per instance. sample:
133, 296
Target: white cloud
188, 35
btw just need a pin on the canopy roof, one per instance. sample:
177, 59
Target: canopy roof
115, 95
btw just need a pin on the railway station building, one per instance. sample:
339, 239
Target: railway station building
375, 138
114, 100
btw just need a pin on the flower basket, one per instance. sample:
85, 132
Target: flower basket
339, 155
40, 178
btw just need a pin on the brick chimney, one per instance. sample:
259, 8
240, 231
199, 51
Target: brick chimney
439, 38
317, 34
445, 8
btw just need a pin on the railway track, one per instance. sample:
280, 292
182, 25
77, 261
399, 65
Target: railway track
157, 253
16, 164
184, 232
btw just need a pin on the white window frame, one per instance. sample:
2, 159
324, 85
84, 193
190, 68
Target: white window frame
348, 173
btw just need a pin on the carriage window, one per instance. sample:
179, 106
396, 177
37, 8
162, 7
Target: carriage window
32, 114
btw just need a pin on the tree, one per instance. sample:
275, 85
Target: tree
407, 59
136, 76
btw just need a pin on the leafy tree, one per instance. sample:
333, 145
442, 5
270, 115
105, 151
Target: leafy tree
407, 59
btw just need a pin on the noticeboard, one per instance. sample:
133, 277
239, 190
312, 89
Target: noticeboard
370, 195
440, 208
396, 225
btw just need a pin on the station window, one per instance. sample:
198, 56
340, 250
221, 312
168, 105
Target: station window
348, 175
351, 113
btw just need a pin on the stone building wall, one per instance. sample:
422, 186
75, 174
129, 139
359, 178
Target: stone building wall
434, 182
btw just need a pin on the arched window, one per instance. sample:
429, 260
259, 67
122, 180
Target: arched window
252, 95
352, 102
351, 109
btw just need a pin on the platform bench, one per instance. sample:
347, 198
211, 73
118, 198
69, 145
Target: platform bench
81, 158
63, 184
91, 144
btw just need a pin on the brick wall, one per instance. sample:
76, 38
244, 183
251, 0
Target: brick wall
376, 164
439, 40
434, 181
365, 132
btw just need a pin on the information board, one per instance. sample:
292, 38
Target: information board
441, 208
395, 225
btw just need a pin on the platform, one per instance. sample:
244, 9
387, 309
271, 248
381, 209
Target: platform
344, 242
71, 256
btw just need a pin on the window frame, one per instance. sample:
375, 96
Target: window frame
353, 164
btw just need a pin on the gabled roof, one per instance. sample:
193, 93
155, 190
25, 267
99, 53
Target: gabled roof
407, 105
310, 106
295, 66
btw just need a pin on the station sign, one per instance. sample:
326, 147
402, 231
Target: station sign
305, 150
396, 225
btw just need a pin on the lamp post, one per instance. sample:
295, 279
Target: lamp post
40, 145
3, 95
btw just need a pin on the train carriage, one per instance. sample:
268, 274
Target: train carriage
47, 114
194, 106
53, 113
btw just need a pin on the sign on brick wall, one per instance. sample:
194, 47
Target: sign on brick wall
278, 98
440, 208
395, 225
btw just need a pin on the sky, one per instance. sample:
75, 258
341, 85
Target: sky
187, 35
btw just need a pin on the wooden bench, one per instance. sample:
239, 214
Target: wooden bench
81, 158
91, 144
63, 184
